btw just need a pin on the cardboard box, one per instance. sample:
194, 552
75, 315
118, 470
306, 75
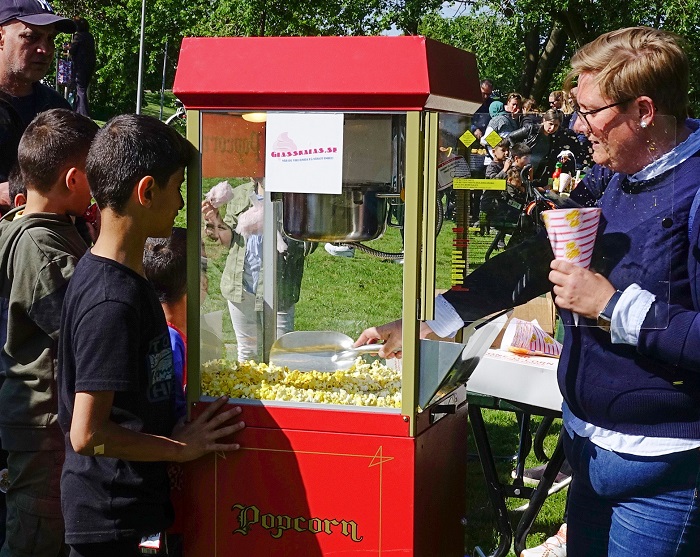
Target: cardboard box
526, 379
541, 309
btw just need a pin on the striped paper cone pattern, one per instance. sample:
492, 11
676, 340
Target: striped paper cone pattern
572, 233
531, 340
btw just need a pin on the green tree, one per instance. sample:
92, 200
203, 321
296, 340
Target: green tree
526, 45
522, 45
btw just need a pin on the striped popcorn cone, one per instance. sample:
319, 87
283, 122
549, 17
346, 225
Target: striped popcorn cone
572, 234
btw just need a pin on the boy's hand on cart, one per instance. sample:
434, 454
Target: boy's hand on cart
204, 434
579, 290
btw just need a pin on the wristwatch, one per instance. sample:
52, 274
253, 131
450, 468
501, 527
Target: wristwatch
605, 316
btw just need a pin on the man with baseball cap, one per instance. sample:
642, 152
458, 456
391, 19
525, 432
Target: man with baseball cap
28, 30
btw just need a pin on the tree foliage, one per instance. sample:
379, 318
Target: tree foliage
525, 45
522, 45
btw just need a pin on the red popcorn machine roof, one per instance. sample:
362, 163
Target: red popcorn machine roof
326, 73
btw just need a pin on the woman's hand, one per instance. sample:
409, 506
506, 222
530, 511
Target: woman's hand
389, 333
578, 289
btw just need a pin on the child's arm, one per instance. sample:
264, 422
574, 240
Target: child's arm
93, 433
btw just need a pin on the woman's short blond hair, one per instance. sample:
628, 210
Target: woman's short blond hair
636, 61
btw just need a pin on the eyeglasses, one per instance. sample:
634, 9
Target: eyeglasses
585, 114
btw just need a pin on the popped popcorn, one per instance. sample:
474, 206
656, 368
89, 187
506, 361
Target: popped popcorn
362, 384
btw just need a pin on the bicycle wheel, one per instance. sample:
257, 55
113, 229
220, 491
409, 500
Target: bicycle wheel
178, 121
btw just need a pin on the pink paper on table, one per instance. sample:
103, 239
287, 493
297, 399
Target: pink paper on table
531, 340
572, 234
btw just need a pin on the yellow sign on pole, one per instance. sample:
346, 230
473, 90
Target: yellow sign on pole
493, 139
467, 138
478, 184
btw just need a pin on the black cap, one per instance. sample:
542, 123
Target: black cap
34, 12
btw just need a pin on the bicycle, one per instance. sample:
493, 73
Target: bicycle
179, 119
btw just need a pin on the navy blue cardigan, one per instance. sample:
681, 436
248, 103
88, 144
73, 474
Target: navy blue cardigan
652, 389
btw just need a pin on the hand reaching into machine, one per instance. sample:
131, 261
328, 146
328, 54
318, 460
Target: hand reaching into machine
391, 335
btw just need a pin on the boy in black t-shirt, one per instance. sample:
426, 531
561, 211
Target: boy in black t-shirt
116, 381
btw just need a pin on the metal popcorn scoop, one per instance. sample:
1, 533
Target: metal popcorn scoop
317, 351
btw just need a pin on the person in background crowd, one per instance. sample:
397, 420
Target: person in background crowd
503, 124
628, 371
27, 32
165, 267
531, 112
477, 157
559, 100
481, 117
82, 53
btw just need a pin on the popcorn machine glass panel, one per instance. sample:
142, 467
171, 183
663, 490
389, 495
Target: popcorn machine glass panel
254, 292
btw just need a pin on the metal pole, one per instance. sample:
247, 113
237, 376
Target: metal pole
162, 84
139, 86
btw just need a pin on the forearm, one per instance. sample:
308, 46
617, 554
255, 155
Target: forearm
115, 441
671, 334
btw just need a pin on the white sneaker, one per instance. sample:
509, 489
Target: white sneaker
553, 547
340, 251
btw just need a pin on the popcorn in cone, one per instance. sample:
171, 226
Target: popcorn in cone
531, 340
572, 234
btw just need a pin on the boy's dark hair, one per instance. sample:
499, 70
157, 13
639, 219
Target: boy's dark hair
520, 150
15, 184
513, 174
504, 144
53, 142
165, 265
128, 148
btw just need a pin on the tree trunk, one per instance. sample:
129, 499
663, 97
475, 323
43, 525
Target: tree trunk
532, 55
549, 61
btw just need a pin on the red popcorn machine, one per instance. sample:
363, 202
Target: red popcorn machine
346, 142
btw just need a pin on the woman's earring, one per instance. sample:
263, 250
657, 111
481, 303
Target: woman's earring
643, 124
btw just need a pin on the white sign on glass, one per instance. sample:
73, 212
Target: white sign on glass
304, 152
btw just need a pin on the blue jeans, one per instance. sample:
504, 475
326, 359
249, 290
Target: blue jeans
626, 506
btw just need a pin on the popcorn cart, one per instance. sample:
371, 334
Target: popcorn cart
304, 141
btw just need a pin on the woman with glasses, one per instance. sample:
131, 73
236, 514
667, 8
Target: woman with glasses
629, 371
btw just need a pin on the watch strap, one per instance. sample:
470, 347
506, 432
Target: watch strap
605, 316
